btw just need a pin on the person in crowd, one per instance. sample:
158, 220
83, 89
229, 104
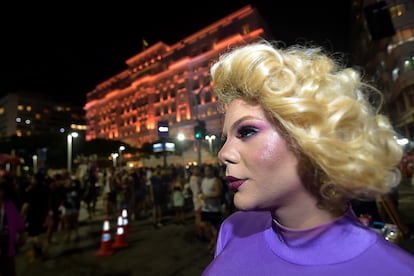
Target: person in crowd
55, 199
125, 190
195, 187
178, 199
228, 194
211, 210
148, 201
140, 192
158, 195
12, 230
35, 212
90, 193
71, 206
109, 191
303, 136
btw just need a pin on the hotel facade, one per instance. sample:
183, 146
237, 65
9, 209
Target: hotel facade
383, 45
170, 84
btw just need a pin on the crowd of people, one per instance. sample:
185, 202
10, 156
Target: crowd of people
304, 141
40, 205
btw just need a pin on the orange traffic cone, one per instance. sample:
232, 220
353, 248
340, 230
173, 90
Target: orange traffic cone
120, 237
106, 243
125, 220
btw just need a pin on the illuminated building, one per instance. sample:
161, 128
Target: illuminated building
383, 44
168, 83
27, 114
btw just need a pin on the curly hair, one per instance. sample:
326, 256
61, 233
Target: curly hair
339, 136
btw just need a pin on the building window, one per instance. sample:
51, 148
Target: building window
246, 29
408, 65
397, 10
183, 113
401, 37
182, 99
157, 97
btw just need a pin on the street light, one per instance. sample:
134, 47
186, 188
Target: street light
34, 157
70, 138
114, 158
210, 139
120, 150
180, 137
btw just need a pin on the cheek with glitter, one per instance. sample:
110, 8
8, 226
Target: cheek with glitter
274, 146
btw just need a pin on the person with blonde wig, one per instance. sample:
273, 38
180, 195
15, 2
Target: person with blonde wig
304, 136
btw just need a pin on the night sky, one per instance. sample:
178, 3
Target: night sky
64, 49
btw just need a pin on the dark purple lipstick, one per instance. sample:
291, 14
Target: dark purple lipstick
234, 182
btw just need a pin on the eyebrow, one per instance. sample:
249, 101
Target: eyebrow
239, 121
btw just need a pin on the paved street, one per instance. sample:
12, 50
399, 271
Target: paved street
171, 250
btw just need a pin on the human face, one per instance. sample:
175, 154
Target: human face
259, 165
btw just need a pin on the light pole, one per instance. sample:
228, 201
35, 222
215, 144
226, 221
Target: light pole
34, 157
70, 139
120, 150
210, 139
181, 141
114, 158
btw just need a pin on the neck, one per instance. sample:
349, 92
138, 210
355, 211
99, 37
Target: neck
308, 215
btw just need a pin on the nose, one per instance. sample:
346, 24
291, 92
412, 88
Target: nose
226, 154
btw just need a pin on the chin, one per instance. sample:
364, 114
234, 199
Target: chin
242, 204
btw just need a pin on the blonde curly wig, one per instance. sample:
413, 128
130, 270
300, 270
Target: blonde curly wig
349, 146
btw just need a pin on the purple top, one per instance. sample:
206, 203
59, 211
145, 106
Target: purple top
251, 243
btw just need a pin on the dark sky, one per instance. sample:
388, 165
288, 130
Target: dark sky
64, 49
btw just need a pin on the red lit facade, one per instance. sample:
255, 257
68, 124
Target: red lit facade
168, 83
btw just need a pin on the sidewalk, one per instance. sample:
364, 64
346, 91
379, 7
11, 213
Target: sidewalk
99, 211
171, 250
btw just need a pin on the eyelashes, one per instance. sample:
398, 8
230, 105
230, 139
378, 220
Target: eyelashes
244, 132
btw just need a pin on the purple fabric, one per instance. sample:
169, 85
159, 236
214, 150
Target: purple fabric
15, 223
251, 243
